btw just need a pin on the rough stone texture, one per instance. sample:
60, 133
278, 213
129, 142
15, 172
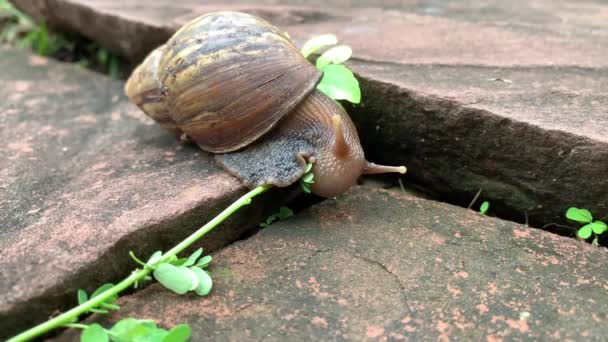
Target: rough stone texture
379, 265
510, 96
84, 178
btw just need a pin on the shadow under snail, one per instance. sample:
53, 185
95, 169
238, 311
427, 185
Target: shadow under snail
238, 87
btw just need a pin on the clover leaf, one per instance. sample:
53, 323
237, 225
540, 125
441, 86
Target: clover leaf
316, 43
339, 83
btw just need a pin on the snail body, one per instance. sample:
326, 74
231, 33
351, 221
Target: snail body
238, 87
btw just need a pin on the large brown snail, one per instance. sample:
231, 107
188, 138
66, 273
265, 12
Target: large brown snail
238, 87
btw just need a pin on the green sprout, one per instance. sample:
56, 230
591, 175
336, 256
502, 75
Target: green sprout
15, 24
590, 226
307, 179
108, 61
283, 214
484, 207
338, 81
21, 31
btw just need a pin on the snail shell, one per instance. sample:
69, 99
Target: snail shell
226, 79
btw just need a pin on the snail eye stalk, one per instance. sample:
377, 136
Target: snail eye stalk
372, 169
340, 146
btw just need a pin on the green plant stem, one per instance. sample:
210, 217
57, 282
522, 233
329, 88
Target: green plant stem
72, 315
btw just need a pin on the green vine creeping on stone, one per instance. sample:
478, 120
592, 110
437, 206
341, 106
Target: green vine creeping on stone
176, 270
338, 81
590, 226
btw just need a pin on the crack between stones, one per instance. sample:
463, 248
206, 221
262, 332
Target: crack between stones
370, 261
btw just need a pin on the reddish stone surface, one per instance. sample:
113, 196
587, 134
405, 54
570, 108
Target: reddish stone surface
508, 97
84, 178
379, 265
411, 32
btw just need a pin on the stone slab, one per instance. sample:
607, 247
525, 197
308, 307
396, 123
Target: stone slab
508, 97
411, 32
84, 178
380, 265
536, 144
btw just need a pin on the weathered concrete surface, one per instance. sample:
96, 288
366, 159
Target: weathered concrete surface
379, 265
509, 97
84, 178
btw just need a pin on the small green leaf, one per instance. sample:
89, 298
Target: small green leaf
305, 187
113, 67
192, 275
133, 330
99, 311
264, 225
336, 55
173, 278
94, 333
284, 213
154, 258
103, 288
109, 306
147, 323
308, 168
205, 283
82, 296
204, 261
598, 227
172, 259
271, 219
178, 262
136, 259
318, 42
339, 83
42, 41
102, 56
307, 178
180, 333
584, 232
485, 206
193, 257
579, 215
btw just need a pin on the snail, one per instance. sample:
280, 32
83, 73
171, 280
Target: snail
238, 87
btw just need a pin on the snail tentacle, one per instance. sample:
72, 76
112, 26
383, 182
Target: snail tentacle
340, 146
372, 169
